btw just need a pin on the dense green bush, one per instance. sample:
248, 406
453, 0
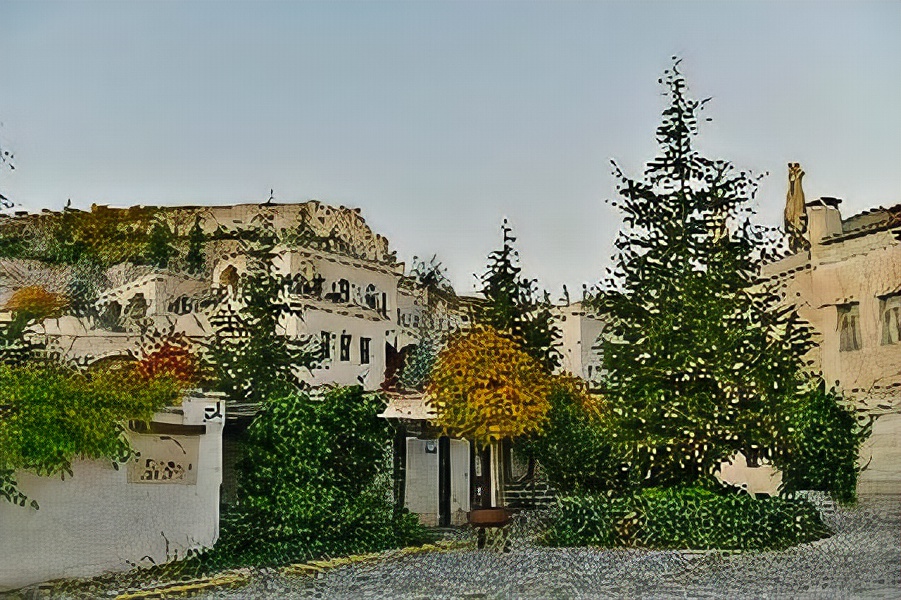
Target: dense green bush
574, 447
824, 444
691, 518
315, 481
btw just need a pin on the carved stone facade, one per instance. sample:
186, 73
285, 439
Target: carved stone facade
346, 285
848, 286
338, 230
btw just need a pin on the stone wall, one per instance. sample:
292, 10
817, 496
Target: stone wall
854, 269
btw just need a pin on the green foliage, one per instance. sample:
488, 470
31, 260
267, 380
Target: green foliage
315, 481
195, 259
575, 446
159, 245
430, 275
105, 236
431, 281
419, 363
252, 357
88, 278
825, 444
689, 518
701, 360
514, 306
50, 416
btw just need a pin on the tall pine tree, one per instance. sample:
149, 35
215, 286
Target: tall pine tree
514, 306
195, 259
700, 359
159, 245
251, 354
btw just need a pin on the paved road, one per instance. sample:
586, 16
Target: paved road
863, 560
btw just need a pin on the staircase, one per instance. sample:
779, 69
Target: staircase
531, 494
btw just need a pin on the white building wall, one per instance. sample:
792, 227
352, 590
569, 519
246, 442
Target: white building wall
579, 331
881, 454
460, 486
861, 270
97, 520
421, 489
421, 495
353, 371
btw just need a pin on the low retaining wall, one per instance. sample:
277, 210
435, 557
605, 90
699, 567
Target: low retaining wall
156, 507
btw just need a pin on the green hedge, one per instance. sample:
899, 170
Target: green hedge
824, 435
689, 518
575, 448
51, 415
315, 481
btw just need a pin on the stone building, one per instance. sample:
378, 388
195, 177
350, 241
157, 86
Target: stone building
346, 288
345, 292
845, 279
580, 329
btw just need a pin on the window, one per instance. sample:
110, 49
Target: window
325, 345
181, 305
111, 317
891, 319
229, 277
345, 347
849, 327
344, 290
364, 351
136, 308
370, 297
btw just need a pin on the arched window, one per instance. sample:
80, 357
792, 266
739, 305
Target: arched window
110, 317
136, 307
181, 305
229, 277
344, 290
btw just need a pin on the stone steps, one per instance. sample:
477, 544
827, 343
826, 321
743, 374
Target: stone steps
529, 494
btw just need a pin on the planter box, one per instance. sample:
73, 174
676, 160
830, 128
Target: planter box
489, 517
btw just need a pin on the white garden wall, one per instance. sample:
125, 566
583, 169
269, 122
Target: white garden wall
152, 509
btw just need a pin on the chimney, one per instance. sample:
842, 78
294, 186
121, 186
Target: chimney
823, 219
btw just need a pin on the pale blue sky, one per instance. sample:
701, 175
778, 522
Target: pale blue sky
439, 119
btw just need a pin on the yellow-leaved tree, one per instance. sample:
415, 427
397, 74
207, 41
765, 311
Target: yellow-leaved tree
35, 302
485, 388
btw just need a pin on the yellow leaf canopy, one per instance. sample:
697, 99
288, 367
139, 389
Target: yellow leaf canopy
485, 388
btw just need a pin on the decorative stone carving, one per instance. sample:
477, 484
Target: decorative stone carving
795, 209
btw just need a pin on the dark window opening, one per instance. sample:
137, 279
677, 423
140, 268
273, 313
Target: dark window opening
364, 351
345, 347
181, 305
891, 320
325, 345
370, 298
849, 327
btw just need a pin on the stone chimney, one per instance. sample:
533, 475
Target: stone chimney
823, 219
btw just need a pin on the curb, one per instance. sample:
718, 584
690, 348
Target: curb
318, 567
227, 579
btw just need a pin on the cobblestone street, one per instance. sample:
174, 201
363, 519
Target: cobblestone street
862, 560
